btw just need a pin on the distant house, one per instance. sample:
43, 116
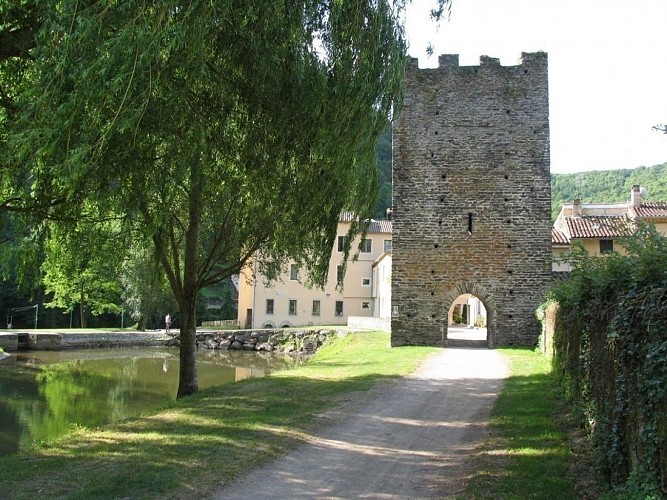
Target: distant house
288, 302
381, 293
600, 226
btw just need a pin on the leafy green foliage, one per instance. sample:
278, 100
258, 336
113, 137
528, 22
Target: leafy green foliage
384, 175
146, 292
217, 130
81, 267
223, 296
611, 348
607, 186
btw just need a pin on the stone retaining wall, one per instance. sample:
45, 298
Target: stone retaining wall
295, 341
114, 339
278, 341
44, 341
9, 341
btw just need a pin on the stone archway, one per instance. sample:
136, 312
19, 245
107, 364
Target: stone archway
465, 288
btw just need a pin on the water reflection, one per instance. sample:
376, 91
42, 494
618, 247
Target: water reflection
44, 394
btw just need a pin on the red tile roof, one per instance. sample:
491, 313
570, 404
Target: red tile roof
598, 227
380, 226
652, 210
374, 226
347, 217
558, 237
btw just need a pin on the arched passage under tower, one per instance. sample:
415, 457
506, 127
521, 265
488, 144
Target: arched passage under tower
466, 323
469, 317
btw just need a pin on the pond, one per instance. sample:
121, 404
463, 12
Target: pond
44, 394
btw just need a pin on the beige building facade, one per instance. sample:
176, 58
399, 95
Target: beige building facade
600, 227
289, 303
382, 285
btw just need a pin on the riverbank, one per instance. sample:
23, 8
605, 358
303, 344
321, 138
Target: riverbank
188, 447
282, 341
61, 339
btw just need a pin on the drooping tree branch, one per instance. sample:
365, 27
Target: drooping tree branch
20, 22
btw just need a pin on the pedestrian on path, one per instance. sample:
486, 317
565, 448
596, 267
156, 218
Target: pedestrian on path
167, 323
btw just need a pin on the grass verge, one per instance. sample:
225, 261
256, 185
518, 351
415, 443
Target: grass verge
528, 454
191, 446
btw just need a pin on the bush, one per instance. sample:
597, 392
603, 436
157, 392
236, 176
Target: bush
611, 353
480, 321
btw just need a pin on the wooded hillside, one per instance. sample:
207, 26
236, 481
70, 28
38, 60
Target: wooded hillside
608, 185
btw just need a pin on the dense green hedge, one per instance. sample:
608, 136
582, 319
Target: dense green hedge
611, 352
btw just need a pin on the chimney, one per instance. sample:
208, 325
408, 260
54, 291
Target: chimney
576, 208
635, 196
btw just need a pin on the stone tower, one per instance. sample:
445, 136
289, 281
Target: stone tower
471, 198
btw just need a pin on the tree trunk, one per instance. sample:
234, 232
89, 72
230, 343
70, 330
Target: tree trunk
82, 311
187, 381
187, 303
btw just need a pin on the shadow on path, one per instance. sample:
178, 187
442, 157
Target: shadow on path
412, 438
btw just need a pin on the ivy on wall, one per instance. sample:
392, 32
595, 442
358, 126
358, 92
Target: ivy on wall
611, 353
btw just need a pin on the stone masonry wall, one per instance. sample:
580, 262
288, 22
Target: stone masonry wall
282, 341
471, 198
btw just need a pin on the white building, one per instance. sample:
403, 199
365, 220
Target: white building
288, 302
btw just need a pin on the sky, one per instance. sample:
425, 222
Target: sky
607, 68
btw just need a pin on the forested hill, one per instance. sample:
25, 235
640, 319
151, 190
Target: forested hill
595, 186
608, 186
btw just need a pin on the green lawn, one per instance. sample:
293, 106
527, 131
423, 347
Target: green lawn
191, 446
528, 455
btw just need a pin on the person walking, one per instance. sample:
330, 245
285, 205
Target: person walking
167, 323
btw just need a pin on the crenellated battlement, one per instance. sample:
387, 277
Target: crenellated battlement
449, 61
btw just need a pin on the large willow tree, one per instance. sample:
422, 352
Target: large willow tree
219, 130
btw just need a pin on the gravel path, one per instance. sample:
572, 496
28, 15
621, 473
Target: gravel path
414, 438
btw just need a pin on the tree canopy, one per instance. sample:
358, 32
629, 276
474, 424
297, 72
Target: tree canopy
217, 130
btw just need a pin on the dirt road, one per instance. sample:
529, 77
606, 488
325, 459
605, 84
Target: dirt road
409, 439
